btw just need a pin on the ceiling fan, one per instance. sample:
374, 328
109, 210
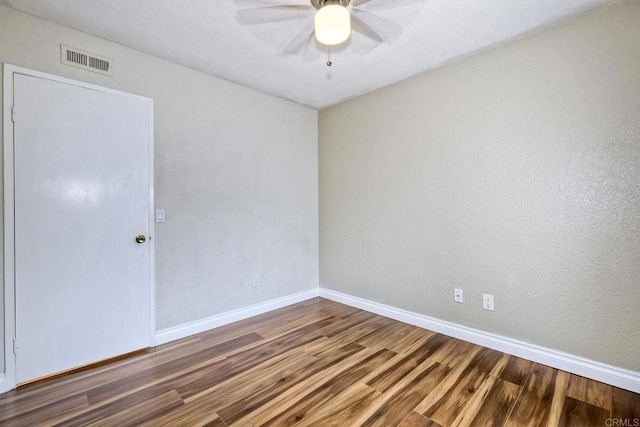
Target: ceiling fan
317, 23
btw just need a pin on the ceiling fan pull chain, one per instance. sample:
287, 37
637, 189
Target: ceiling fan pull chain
329, 63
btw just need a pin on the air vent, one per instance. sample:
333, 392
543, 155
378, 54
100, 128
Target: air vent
85, 60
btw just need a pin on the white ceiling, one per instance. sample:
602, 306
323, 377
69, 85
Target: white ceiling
205, 35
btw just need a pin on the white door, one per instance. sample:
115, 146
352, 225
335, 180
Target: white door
82, 195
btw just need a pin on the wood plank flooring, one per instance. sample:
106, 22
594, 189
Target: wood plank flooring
320, 363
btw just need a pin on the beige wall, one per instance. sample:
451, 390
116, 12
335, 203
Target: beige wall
515, 172
236, 171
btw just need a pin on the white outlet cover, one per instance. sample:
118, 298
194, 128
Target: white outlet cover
487, 302
458, 295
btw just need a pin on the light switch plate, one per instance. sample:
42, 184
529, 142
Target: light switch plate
159, 215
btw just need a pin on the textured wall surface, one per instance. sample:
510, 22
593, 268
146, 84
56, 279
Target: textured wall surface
236, 171
515, 172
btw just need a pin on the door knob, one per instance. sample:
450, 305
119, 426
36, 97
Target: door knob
140, 238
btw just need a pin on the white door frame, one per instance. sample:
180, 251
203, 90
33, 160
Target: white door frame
9, 214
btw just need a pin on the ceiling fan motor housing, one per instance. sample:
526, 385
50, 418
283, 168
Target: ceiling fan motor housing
320, 3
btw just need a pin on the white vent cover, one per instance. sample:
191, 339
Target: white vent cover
85, 60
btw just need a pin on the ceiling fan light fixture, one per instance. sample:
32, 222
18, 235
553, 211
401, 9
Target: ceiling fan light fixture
332, 24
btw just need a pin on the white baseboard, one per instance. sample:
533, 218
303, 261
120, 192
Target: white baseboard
3, 384
619, 377
181, 331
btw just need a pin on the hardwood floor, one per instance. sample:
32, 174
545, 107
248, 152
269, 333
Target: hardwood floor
319, 363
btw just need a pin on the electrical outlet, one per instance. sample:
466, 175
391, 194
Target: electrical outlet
458, 295
256, 281
487, 302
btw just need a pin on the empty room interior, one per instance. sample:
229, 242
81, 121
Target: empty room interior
320, 213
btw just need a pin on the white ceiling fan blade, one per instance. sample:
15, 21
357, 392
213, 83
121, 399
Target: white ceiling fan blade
361, 44
251, 4
313, 49
299, 42
264, 15
376, 28
383, 4
304, 42
359, 26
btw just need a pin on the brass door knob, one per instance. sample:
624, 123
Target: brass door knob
140, 238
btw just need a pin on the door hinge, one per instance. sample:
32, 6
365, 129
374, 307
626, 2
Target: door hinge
13, 114
15, 346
